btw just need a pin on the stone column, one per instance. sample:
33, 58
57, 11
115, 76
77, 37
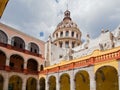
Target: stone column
119, 74
9, 41
75, 34
119, 81
92, 79
70, 33
72, 83
38, 86
7, 67
70, 44
25, 67
24, 84
63, 33
27, 46
6, 82
58, 34
57, 82
47, 84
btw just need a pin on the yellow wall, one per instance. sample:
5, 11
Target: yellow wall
113, 63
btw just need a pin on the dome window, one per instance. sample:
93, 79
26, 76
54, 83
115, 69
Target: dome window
61, 34
67, 33
72, 34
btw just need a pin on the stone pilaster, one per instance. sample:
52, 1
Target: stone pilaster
72, 83
70, 33
92, 79
57, 82
47, 84
25, 67
7, 67
38, 86
119, 74
6, 82
24, 84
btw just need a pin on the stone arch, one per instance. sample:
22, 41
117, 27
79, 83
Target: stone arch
3, 37
32, 66
18, 42
52, 83
31, 84
42, 83
65, 82
1, 82
2, 60
16, 63
106, 78
15, 83
82, 80
33, 47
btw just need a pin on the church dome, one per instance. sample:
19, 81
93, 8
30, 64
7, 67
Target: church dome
67, 33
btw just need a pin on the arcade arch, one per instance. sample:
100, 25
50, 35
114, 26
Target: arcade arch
15, 83
82, 81
65, 82
42, 83
106, 78
31, 84
52, 83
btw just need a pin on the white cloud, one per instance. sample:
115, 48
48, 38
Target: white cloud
34, 16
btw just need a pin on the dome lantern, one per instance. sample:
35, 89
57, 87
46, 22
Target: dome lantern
67, 15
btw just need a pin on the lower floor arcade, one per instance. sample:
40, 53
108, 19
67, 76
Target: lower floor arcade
105, 78
18, 81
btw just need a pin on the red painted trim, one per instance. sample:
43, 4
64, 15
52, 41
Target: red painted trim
8, 46
85, 63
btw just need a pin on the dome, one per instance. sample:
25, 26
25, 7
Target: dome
67, 34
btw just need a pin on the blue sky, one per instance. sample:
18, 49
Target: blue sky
35, 16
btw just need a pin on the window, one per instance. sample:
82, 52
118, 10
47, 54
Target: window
35, 51
14, 43
3, 37
73, 44
21, 46
33, 48
56, 35
18, 42
11, 64
67, 44
67, 33
60, 44
72, 34
61, 34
